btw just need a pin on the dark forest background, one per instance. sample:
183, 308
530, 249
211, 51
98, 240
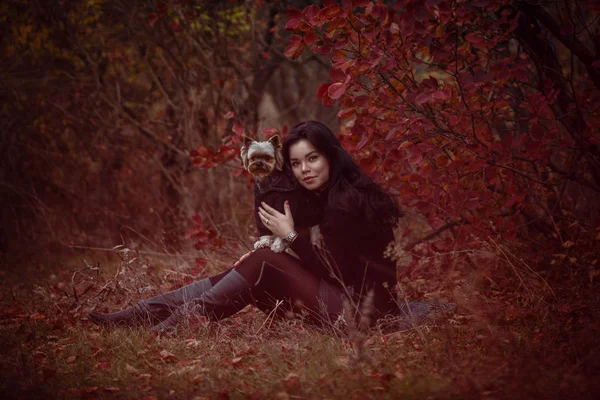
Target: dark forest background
101, 105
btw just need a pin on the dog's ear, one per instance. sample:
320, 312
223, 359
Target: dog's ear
276, 142
244, 151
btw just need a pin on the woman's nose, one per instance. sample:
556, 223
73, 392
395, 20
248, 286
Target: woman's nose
304, 167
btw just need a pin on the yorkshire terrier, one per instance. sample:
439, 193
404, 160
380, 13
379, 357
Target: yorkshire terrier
264, 161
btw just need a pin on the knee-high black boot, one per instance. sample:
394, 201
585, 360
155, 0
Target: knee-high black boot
228, 296
153, 310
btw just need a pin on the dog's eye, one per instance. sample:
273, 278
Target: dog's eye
263, 157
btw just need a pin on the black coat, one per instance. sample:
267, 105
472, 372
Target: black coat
352, 255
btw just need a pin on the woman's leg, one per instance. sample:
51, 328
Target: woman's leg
264, 278
155, 309
279, 280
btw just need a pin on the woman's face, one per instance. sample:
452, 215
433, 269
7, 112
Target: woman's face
310, 167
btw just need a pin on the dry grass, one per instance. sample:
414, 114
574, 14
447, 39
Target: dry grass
509, 339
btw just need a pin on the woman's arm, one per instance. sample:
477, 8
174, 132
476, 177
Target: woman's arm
283, 224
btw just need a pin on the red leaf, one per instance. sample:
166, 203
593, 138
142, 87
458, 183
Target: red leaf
310, 37
322, 89
423, 98
200, 151
474, 37
416, 159
442, 94
310, 12
229, 115
295, 48
37, 316
329, 13
327, 101
238, 129
337, 75
89, 389
514, 199
103, 366
407, 28
292, 24
363, 141
336, 90
322, 50
346, 113
152, 19
293, 13
421, 13
167, 356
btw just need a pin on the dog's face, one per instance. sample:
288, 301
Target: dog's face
262, 158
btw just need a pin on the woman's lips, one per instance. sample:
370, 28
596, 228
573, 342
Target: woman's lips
309, 179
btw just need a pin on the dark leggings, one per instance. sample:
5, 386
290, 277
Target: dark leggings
280, 280
277, 282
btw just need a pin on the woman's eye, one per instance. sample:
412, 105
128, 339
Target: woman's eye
294, 164
312, 158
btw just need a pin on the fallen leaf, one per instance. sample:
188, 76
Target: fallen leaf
103, 366
167, 356
71, 359
236, 360
131, 369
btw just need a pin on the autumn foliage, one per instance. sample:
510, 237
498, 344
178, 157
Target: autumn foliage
478, 114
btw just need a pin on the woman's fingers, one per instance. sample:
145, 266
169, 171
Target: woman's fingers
270, 210
263, 214
279, 224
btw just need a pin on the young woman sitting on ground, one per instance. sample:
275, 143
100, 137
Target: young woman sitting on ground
357, 224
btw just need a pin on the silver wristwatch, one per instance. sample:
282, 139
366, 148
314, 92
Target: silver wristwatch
289, 238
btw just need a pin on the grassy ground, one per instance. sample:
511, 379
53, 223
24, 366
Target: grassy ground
507, 339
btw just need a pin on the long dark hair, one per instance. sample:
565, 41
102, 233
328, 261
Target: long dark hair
350, 189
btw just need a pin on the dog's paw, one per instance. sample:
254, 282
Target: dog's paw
264, 241
277, 246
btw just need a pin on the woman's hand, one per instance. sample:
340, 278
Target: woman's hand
278, 223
